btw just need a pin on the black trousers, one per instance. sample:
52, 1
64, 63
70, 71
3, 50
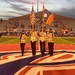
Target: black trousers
0, 35
51, 48
42, 47
33, 47
22, 45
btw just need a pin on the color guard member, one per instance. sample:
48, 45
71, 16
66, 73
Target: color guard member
42, 41
23, 39
33, 40
50, 39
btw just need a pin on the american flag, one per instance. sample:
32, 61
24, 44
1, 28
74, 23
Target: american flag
32, 16
47, 16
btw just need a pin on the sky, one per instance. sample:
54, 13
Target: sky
16, 8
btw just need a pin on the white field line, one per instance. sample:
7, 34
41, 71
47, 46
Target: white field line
7, 41
67, 41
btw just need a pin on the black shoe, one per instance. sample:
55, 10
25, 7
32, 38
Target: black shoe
51, 54
22, 54
44, 50
33, 54
43, 54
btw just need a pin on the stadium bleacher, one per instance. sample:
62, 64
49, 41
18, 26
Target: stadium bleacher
23, 23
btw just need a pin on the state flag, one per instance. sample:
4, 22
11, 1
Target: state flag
47, 16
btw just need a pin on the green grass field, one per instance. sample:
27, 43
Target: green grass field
57, 40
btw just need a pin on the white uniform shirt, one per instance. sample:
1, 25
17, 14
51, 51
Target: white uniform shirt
34, 36
42, 36
23, 38
50, 37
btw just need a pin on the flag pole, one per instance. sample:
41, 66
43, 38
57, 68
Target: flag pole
32, 10
43, 16
37, 5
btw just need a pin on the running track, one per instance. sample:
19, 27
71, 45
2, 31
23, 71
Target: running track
13, 47
8, 68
